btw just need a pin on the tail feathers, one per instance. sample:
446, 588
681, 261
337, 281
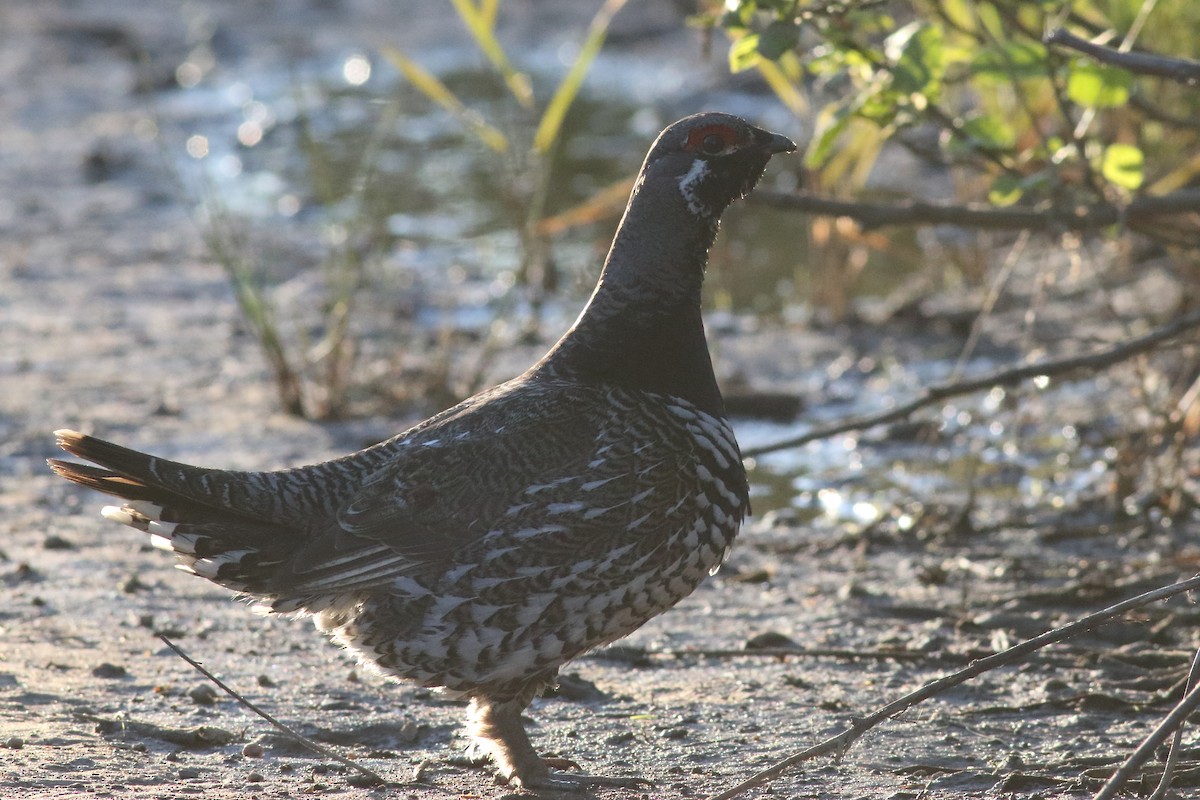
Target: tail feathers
235, 549
101, 480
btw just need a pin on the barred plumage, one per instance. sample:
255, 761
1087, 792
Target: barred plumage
483, 548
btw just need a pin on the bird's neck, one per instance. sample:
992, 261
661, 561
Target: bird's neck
642, 327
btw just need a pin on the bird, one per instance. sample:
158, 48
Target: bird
480, 550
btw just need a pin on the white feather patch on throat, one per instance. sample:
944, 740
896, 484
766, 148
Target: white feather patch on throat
688, 185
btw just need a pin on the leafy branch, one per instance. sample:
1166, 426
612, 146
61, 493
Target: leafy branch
1019, 116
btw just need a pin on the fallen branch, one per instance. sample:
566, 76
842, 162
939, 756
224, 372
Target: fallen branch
1005, 377
1178, 715
1173, 723
883, 654
373, 776
1181, 70
859, 726
977, 215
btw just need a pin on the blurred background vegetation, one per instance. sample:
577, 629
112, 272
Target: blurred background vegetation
970, 88
954, 105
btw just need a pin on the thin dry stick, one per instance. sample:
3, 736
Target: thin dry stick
1005, 377
989, 303
884, 654
310, 744
1164, 783
1178, 715
1137, 213
859, 726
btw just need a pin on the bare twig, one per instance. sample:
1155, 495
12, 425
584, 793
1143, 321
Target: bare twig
1179, 714
859, 726
292, 734
1181, 70
881, 654
1164, 783
1140, 102
1005, 377
1135, 214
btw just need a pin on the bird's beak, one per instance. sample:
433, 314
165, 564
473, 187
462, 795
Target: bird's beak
774, 143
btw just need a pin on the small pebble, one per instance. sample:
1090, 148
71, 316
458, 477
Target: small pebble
107, 670
770, 640
132, 585
139, 747
265, 681
253, 750
203, 695
255, 777
14, 743
56, 542
22, 573
189, 772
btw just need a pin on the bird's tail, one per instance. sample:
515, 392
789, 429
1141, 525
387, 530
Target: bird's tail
217, 522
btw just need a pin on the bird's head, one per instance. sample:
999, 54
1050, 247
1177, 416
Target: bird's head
713, 159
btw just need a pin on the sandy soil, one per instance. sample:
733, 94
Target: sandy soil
113, 321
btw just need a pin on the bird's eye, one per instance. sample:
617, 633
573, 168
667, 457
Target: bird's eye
712, 144
712, 140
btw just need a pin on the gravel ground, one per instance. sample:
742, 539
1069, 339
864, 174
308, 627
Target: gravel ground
113, 321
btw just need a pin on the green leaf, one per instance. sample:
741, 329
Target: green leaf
1005, 191
743, 53
917, 53
1123, 165
990, 18
826, 62
1097, 86
1014, 60
958, 12
552, 119
831, 124
780, 37
990, 131
880, 106
429, 85
773, 72
739, 17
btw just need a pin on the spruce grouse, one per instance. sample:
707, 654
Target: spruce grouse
481, 549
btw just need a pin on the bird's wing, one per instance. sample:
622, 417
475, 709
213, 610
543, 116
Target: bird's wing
558, 474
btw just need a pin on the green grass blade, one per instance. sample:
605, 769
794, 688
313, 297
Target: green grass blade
552, 120
429, 85
480, 24
487, 10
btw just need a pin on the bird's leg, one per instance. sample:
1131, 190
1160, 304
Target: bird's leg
496, 728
